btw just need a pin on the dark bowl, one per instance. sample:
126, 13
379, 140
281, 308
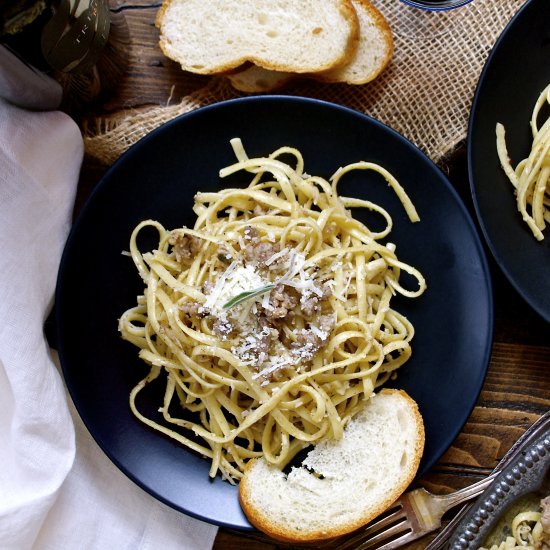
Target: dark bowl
516, 72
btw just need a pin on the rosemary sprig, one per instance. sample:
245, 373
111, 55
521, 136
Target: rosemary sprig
247, 294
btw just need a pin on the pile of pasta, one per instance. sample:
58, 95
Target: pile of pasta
531, 177
270, 322
529, 530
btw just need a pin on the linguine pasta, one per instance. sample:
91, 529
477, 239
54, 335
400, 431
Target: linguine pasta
529, 530
270, 321
531, 177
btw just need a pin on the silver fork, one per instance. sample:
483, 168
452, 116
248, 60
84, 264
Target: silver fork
413, 515
419, 512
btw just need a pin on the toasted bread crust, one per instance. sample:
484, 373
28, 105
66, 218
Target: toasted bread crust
261, 519
338, 75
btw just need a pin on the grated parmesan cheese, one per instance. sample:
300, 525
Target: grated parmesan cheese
236, 279
322, 334
257, 346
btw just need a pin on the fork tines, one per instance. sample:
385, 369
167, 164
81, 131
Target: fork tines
390, 527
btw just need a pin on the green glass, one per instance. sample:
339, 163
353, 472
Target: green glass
73, 39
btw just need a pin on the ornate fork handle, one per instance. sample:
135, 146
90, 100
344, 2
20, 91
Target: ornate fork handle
430, 508
529, 436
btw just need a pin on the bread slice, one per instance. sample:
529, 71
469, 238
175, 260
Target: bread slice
343, 484
374, 52
256, 79
215, 36
372, 56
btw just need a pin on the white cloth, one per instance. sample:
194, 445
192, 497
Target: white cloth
57, 488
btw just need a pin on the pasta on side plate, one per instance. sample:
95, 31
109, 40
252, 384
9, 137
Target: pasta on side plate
529, 530
531, 177
270, 320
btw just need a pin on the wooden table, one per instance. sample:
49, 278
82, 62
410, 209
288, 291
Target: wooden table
517, 388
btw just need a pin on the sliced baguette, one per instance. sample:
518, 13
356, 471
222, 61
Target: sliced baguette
341, 485
374, 52
216, 36
371, 58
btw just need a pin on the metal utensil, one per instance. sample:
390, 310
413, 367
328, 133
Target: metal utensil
415, 514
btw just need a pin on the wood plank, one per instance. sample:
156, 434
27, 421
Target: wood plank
150, 78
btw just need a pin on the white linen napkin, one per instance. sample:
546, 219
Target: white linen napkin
57, 488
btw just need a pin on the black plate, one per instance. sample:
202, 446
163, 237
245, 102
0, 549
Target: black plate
158, 177
516, 72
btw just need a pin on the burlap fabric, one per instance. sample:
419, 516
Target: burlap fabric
425, 93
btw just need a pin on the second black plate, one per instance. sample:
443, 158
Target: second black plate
516, 72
